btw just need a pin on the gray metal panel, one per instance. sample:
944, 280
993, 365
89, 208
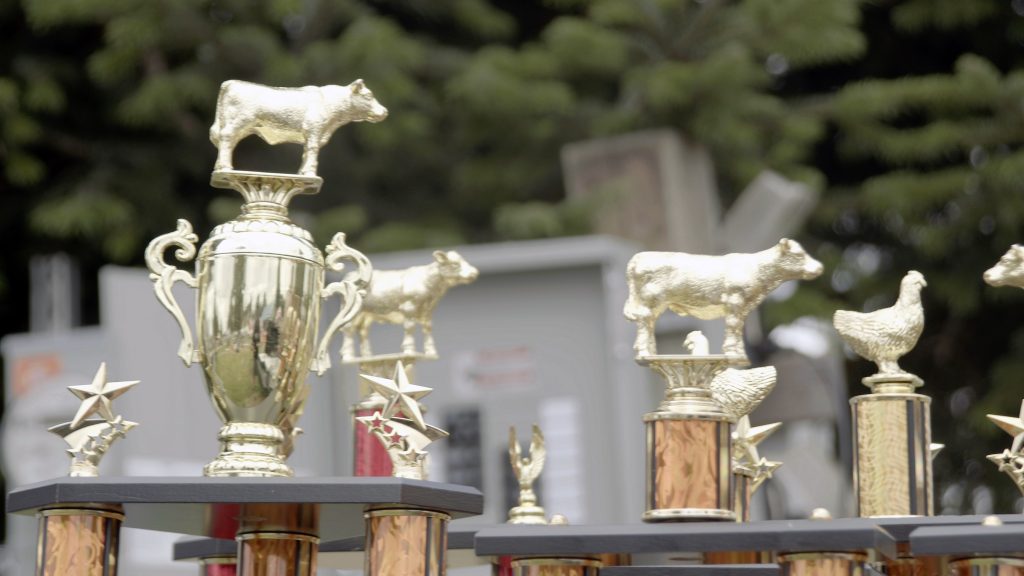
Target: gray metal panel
205, 506
902, 528
968, 540
774, 535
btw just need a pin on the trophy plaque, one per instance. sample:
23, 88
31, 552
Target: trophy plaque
689, 441
892, 473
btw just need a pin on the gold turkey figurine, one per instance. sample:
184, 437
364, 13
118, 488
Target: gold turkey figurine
892, 474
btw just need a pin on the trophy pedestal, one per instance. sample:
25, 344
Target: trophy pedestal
689, 443
276, 521
555, 567
823, 564
401, 541
249, 449
892, 449
79, 540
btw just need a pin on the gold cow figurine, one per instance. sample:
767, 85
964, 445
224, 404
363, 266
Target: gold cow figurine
308, 115
707, 287
407, 297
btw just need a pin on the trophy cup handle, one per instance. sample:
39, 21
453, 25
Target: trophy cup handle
351, 288
164, 276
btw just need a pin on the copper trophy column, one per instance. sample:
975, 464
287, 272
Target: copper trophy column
406, 542
688, 473
555, 567
822, 564
218, 566
278, 540
987, 567
79, 541
892, 451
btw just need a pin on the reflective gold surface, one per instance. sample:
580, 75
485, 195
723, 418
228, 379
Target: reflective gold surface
78, 542
707, 287
260, 282
883, 336
688, 469
405, 542
822, 564
892, 455
987, 567
526, 471
555, 567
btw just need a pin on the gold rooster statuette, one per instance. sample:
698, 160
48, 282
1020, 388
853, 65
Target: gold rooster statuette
885, 335
527, 470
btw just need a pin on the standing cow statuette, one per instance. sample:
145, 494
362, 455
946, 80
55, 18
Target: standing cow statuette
1009, 271
708, 287
406, 297
307, 116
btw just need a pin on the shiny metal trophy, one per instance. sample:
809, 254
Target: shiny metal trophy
892, 473
260, 279
82, 539
689, 446
527, 470
406, 297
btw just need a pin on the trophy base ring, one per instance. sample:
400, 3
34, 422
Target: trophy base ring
688, 515
251, 449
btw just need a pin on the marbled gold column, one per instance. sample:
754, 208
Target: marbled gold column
278, 540
987, 567
79, 541
406, 542
822, 564
555, 567
688, 468
892, 449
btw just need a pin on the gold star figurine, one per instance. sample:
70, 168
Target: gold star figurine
405, 439
90, 438
402, 396
745, 457
1011, 461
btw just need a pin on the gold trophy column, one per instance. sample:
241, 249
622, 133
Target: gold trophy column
79, 541
555, 567
892, 449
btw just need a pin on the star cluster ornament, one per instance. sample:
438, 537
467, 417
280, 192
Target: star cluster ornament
90, 438
404, 438
745, 458
1011, 461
